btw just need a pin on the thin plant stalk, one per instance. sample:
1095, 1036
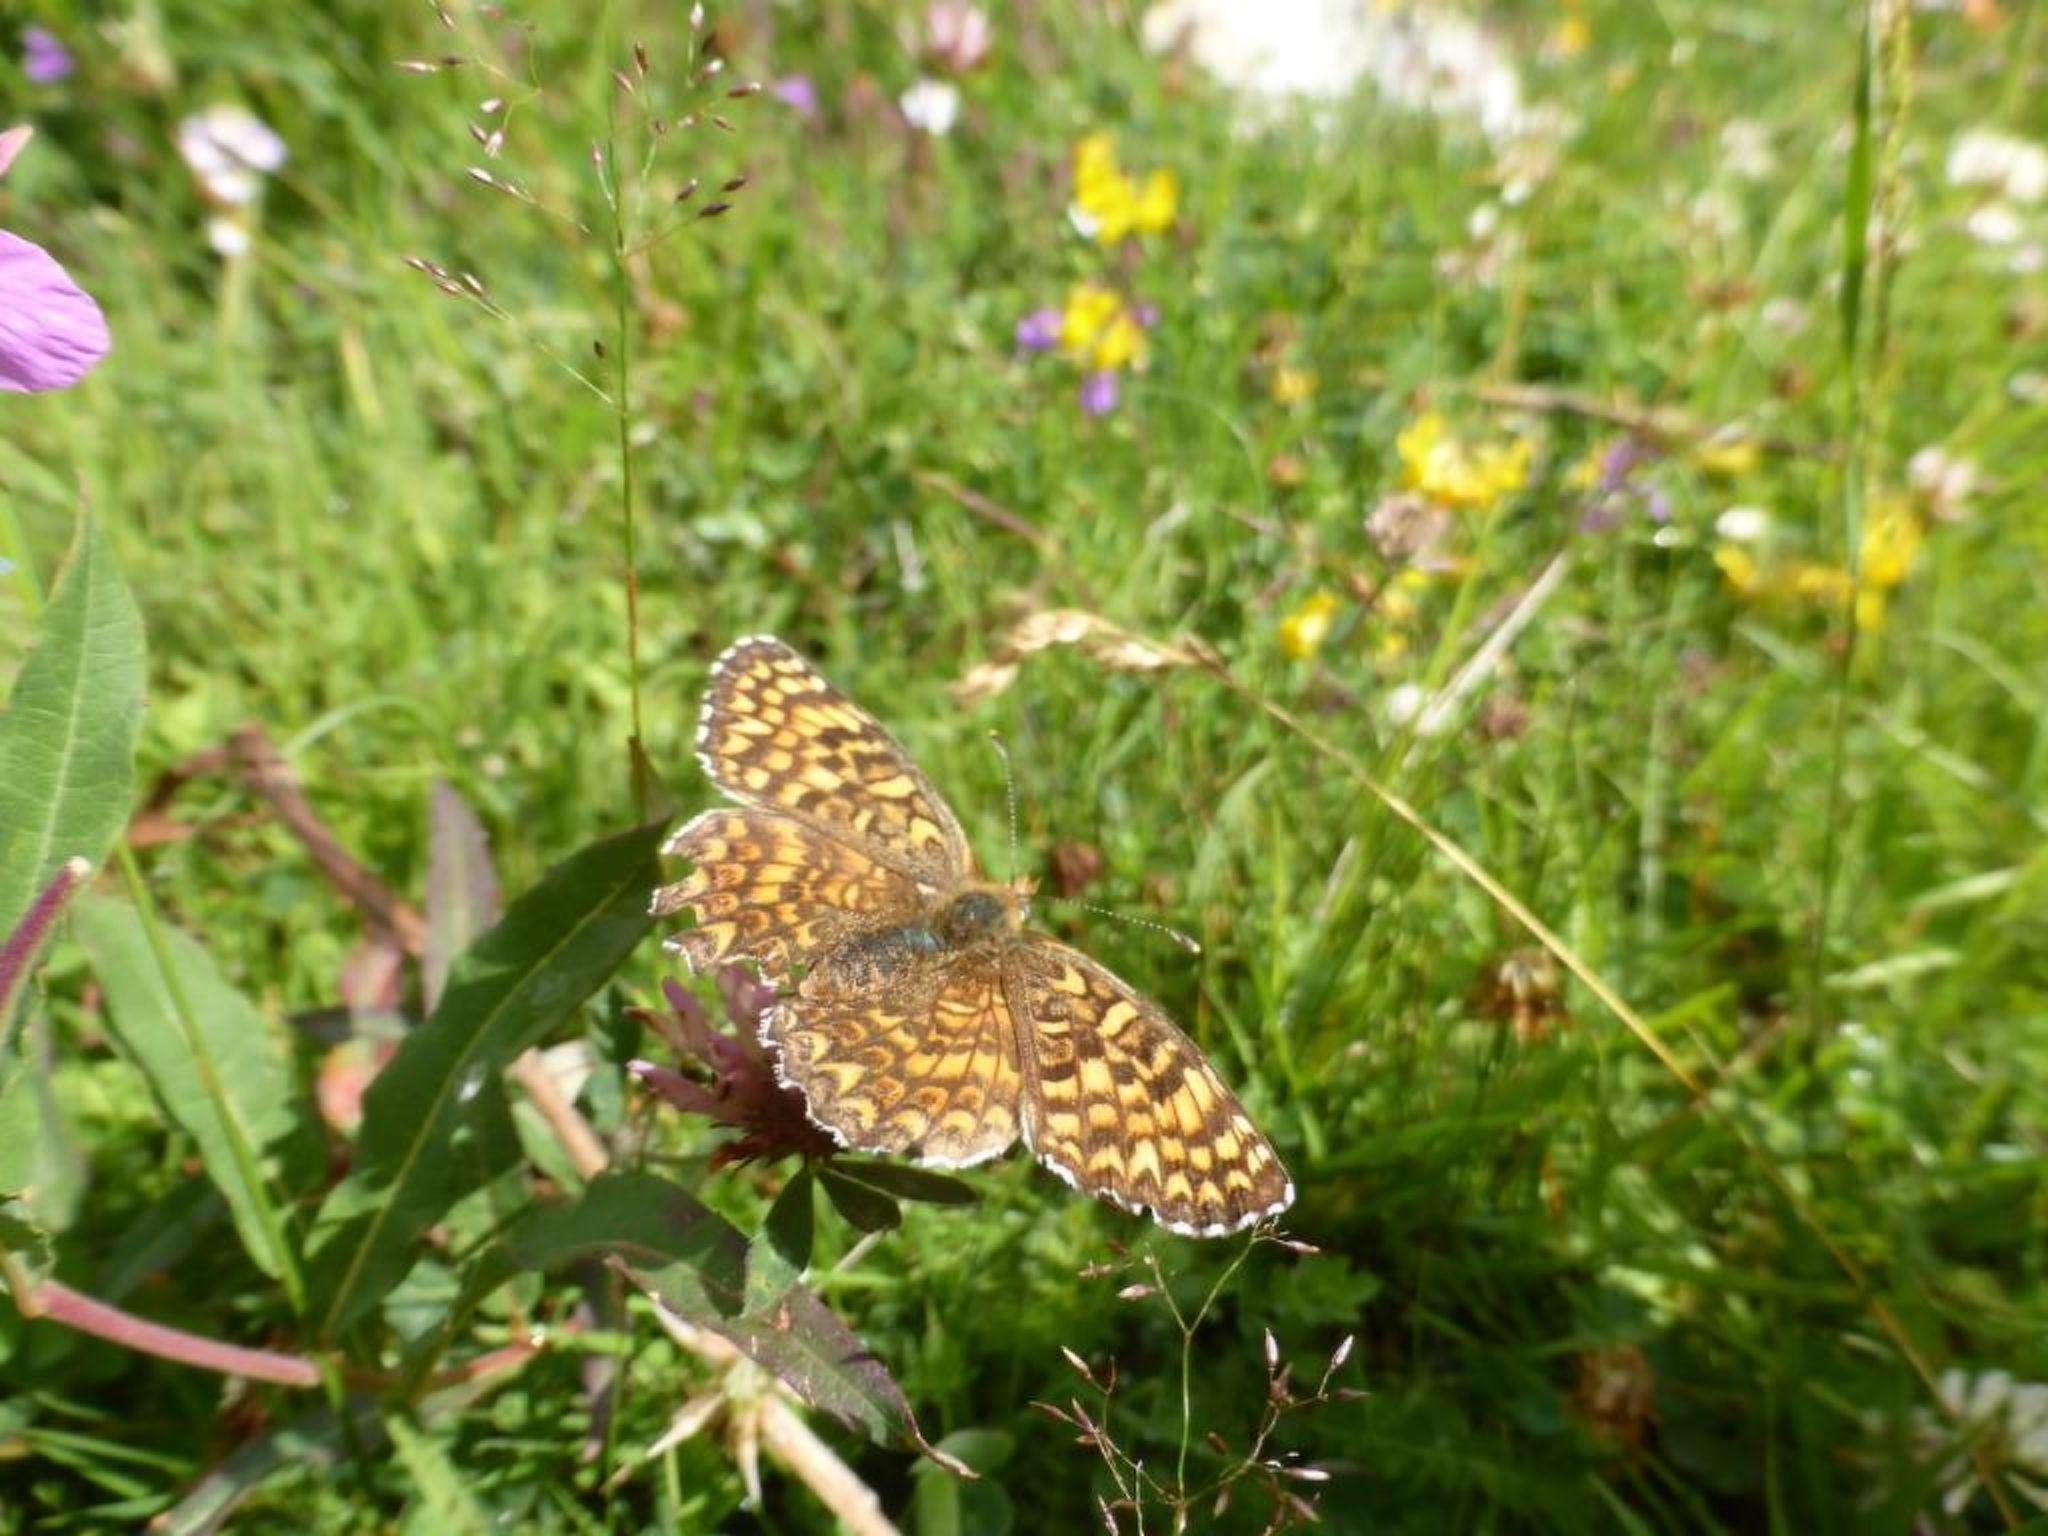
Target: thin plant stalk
611, 179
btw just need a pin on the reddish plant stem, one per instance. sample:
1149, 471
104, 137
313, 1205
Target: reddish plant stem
27, 939
60, 1304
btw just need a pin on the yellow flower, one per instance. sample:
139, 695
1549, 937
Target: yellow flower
1571, 35
1459, 474
1090, 308
1303, 631
1098, 326
1891, 538
1111, 205
1291, 386
1157, 204
1739, 566
1585, 474
1728, 457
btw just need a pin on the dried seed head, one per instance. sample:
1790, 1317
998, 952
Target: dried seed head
420, 66
713, 210
640, 59
689, 190
1342, 1352
734, 185
1080, 1366
712, 69
441, 15
491, 104
1272, 1352
1307, 1474
751, 88
1134, 1292
623, 80
697, 18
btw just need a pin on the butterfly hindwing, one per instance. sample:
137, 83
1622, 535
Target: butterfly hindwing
924, 1062
1123, 1105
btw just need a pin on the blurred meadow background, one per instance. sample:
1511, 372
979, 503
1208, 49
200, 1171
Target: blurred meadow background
1388, 471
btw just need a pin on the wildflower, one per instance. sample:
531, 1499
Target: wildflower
743, 1092
44, 58
1098, 326
2007, 1420
1303, 631
1729, 454
1407, 528
1291, 386
1743, 525
1999, 164
1746, 151
51, 332
1039, 331
1459, 474
1109, 204
1611, 478
931, 106
1572, 35
1100, 393
799, 93
230, 151
1944, 481
957, 35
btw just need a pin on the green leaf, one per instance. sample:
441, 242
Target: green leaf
781, 1250
222, 1075
909, 1183
556, 946
25, 1243
865, 1207
445, 1504
695, 1262
462, 887
948, 1506
67, 740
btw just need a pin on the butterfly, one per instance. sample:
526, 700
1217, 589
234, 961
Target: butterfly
916, 1013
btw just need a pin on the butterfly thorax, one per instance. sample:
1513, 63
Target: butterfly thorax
952, 922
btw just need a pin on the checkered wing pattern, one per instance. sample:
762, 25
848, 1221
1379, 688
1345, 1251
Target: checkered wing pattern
926, 1065
776, 891
1121, 1104
776, 735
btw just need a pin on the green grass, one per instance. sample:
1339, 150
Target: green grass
387, 528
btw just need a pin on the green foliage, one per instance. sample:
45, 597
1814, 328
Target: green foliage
551, 950
67, 738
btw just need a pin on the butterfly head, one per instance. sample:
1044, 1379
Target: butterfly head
984, 911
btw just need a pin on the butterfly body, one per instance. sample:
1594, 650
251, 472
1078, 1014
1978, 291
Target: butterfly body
918, 1013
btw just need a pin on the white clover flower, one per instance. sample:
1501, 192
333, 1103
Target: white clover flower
2001, 163
1746, 151
931, 106
1994, 224
230, 151
1743, 525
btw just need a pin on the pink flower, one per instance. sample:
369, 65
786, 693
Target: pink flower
51, 332
958, 33
1100, 393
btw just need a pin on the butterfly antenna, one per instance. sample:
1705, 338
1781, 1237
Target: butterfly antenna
1185, 941
995, 740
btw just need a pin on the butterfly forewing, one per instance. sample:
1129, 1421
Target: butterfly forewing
1120, 1103
776, 891
775, 734
924, 1062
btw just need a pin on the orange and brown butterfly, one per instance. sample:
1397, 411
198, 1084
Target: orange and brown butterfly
917, 1014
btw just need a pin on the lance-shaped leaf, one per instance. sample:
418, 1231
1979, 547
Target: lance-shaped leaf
695, 1263
67, 740
781, 1250
221, 1073
462, 886
553, 948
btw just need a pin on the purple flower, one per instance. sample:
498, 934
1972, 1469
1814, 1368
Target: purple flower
1619, 488
743, 1093
1100, 393
799, 94
1039, 331
44, 59
51, 332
